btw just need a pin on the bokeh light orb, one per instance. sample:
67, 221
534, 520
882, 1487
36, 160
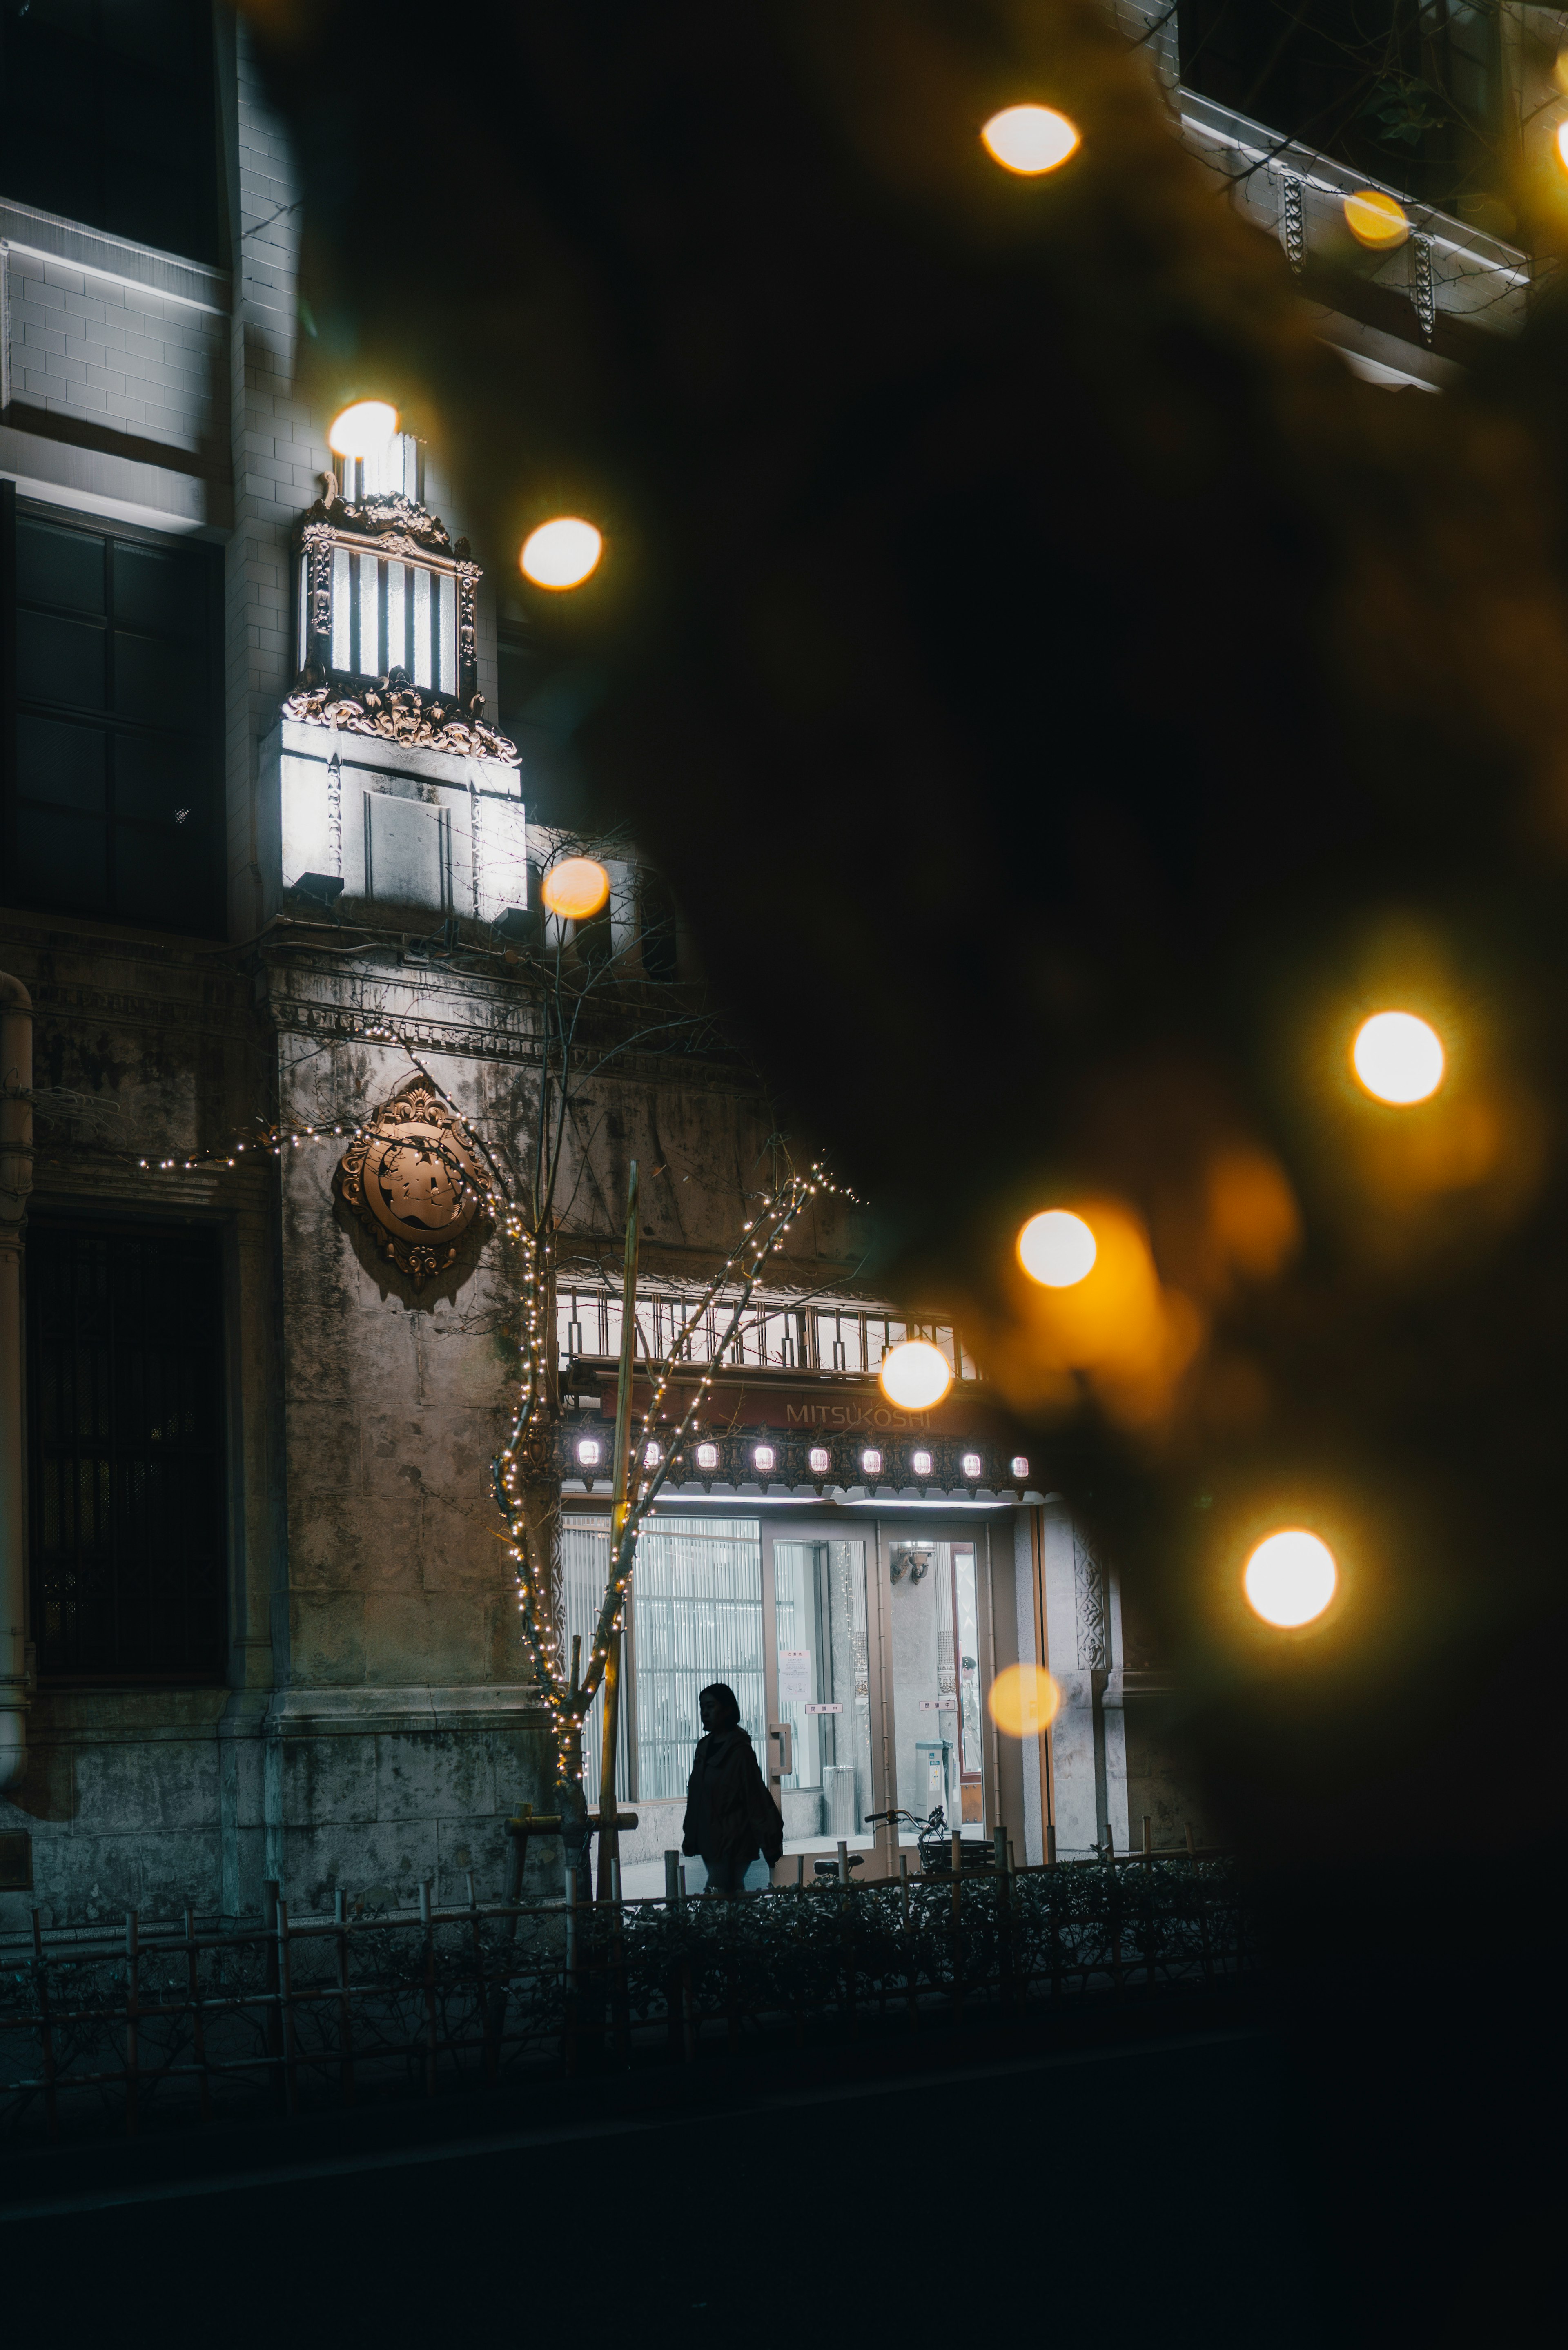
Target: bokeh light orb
562, 553
364, 429
576, 889
916, 1375
1023, 1699
1056, 1248
1562, 142
1397, 1057
1290, 1578
1376, 220
1030, 140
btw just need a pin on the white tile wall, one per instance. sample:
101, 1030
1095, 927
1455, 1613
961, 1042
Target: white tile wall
147, 364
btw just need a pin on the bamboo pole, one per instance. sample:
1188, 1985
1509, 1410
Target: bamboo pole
271, 1890
132, 2013
431, 2042
285, 2000
198, 2025
46, 2025
344, 2004
610, 1834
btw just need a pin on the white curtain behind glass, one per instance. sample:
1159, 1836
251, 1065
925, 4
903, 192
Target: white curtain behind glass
697, 1600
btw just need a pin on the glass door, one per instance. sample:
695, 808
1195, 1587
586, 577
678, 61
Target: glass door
822, 1764
933, 1634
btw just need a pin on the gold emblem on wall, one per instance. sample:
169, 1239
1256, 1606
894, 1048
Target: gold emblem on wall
415, 1184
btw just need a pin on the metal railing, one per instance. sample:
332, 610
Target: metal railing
293, 2015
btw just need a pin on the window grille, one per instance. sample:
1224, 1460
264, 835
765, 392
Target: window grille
772, 1335
389, 614
381, 589
126, 1452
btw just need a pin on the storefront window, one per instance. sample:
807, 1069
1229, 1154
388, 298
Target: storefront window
698, 1607
857, 1660
934, 1643
823, 1690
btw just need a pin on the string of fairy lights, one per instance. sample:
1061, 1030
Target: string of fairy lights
568, 1697
262, 1141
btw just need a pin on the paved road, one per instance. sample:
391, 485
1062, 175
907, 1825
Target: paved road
1136, 2194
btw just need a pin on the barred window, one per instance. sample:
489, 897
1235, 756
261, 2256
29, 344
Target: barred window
387, 613
126, 1452
113, 747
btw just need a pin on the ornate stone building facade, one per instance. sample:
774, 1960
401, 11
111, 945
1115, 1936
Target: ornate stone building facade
274, 800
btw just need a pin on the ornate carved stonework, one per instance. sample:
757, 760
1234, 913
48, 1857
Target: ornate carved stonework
1093, 1609
401, 713
391, 522
374, 529
414, 1183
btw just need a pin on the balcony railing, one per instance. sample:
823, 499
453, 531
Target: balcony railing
773, 1335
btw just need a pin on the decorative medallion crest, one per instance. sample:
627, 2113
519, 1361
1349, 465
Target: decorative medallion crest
415, 1184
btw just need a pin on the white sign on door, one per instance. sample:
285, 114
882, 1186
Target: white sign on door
939, 1705
824, 1708
794, 1676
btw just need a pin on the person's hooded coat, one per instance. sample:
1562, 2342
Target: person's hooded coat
729, 1815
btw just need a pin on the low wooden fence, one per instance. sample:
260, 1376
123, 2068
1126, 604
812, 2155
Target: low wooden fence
296, 2013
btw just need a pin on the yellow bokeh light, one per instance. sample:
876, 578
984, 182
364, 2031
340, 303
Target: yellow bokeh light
575, 889
1562, 144
562, 553
1030, 140
1023, 1699
1376, 220
1056, 1248
1399, 1058
915, 1375
1290, 1578
363, 430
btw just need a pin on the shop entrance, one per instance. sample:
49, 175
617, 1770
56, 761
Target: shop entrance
822, 1756
858, 1649
876, 1699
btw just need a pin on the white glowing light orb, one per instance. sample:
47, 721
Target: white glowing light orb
364, 429
575, 889
1397, 1057
1290, 1578
562, 553
1056, 1248
1030, 140
916, 1375
1562, 144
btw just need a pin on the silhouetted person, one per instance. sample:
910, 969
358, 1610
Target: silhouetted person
731, 1817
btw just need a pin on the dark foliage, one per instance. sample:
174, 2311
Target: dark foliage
1062, 699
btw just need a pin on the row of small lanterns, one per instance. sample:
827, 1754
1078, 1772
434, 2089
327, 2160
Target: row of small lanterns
591, 1454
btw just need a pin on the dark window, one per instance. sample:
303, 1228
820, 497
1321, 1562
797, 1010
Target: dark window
661, 943
125, 1452
114, 795
107, 115
542, 697
1407, 92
